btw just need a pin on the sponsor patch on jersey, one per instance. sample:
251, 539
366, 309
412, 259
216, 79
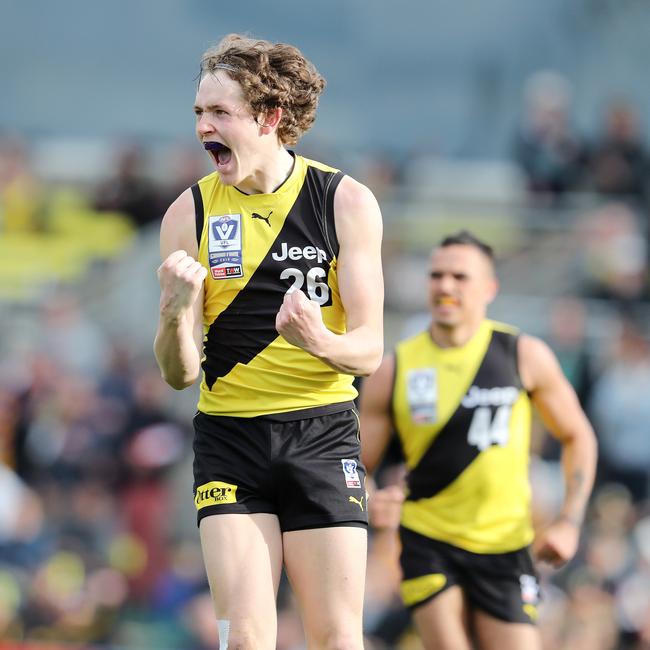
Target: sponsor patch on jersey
225, 255
422, 395
352, 479
215, 493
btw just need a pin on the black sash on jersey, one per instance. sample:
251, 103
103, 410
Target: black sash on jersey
450, 454
247, 325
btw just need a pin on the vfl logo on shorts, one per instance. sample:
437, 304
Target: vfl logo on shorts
352, 479
215, 493
529, 595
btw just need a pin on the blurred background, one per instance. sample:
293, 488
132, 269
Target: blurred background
526, 122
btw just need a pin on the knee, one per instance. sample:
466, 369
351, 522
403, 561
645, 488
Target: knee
242, 642
245, 640
340, 640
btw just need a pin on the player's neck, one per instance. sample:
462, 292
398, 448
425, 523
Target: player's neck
453, 336
271, 174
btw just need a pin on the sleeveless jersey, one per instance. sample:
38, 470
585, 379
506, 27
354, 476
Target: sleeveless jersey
256, 248
463, 419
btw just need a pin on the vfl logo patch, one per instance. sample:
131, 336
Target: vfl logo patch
215, 493
422, 395
359, 502
352, 479
267, 219
529, 589
225, 246
529, 595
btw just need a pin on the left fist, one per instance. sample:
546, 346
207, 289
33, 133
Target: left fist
299, 321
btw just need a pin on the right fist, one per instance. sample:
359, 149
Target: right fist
181, 278
385, 507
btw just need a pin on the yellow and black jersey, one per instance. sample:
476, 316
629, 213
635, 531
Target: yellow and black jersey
463, 420
256, 248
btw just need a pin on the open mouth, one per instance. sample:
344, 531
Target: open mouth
446, 301
219, 152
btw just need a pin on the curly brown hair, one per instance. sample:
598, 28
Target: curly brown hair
271, 75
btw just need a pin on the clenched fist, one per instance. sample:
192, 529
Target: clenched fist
557, 543
385, 507
300, 321
181, 278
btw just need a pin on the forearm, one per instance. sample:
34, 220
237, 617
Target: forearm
357, 352
176, 352
579, 467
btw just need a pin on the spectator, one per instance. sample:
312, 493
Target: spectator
546, 147
620, 410
618, 160
128, 190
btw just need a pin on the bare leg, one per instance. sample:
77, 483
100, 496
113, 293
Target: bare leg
494, 634
327, 568
243, 560
442, 622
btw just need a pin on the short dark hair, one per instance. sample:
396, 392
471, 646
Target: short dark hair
466, 238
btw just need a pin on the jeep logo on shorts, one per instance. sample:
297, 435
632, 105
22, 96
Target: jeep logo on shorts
215, 493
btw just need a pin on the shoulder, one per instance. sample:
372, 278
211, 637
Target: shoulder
356, 210
178, 228
505, 328
417, 340
537, 362
351, 194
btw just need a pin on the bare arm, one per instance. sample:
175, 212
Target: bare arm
179, 337
385, 505
360, 279
375, 413
558, 406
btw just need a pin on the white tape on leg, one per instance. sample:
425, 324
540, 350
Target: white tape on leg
224, 633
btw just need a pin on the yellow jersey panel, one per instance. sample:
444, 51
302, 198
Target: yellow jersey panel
467, 443
256, 248
432, 382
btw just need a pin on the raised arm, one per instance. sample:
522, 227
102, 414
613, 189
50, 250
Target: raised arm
360, 280
558, 406
179, 337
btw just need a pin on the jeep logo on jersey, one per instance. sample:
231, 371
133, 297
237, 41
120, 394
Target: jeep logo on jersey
476, 396
215, 493
297, 253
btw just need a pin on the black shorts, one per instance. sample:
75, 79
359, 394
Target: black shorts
504, 585
306, 471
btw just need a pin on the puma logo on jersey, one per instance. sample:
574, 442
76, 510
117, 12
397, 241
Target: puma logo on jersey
297, 253
267, 219
359, 502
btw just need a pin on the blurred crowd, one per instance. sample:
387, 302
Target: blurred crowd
98, 543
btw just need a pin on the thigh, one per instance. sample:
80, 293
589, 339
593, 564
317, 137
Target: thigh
494, 634
318, 478
441, 622
427, 568
327, 569
243, 560
232, 466
504, 586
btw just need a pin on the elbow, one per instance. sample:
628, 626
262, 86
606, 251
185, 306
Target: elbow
371, 363
178, 383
